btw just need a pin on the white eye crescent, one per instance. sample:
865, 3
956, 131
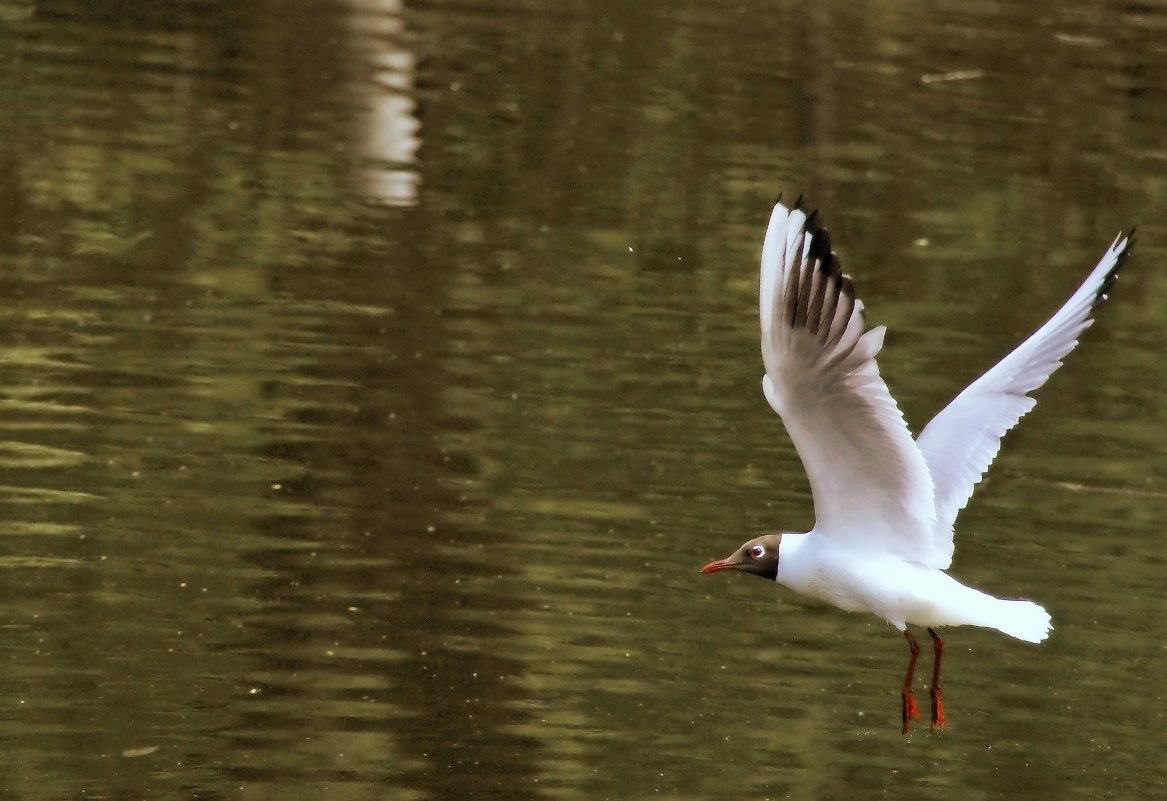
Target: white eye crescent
758, 551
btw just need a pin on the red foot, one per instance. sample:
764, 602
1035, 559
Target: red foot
937, 707
937, 710
909, 708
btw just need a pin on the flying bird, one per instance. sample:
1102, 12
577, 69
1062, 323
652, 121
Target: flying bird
884, 503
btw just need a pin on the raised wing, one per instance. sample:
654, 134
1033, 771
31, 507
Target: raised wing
871, 486
962, 440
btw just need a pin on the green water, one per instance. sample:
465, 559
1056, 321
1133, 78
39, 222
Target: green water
375, 378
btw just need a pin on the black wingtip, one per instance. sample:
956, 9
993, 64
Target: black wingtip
820, 244
1128, 243
820, 237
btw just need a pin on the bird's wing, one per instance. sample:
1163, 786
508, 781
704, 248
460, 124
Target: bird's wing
961, 441
871, 486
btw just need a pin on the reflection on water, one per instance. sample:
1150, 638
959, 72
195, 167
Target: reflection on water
304, 488
387, 136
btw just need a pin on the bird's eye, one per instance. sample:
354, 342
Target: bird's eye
758, 551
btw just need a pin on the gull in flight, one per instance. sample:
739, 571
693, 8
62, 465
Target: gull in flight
885, 503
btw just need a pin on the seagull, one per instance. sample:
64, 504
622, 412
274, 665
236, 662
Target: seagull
884, 503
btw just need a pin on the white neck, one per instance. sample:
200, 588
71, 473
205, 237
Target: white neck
794, 566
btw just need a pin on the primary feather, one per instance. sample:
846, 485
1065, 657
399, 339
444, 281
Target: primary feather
962, 440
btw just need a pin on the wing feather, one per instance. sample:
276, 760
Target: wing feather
870, 483
962, 440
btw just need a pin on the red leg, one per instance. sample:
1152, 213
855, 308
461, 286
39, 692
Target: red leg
909, 700
937, 706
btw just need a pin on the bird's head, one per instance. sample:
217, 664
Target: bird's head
758, 556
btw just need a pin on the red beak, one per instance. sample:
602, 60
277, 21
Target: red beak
720, 564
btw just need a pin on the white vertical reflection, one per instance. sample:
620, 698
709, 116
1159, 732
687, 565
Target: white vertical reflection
385, 135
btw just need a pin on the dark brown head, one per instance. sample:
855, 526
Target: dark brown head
758, 556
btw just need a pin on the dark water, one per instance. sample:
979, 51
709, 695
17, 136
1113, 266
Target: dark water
375, 376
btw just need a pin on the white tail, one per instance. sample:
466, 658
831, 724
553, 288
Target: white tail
1024, 620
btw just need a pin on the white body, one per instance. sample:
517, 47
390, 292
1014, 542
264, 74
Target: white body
900, 592
885, 503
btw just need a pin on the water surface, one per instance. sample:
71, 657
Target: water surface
377, 376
